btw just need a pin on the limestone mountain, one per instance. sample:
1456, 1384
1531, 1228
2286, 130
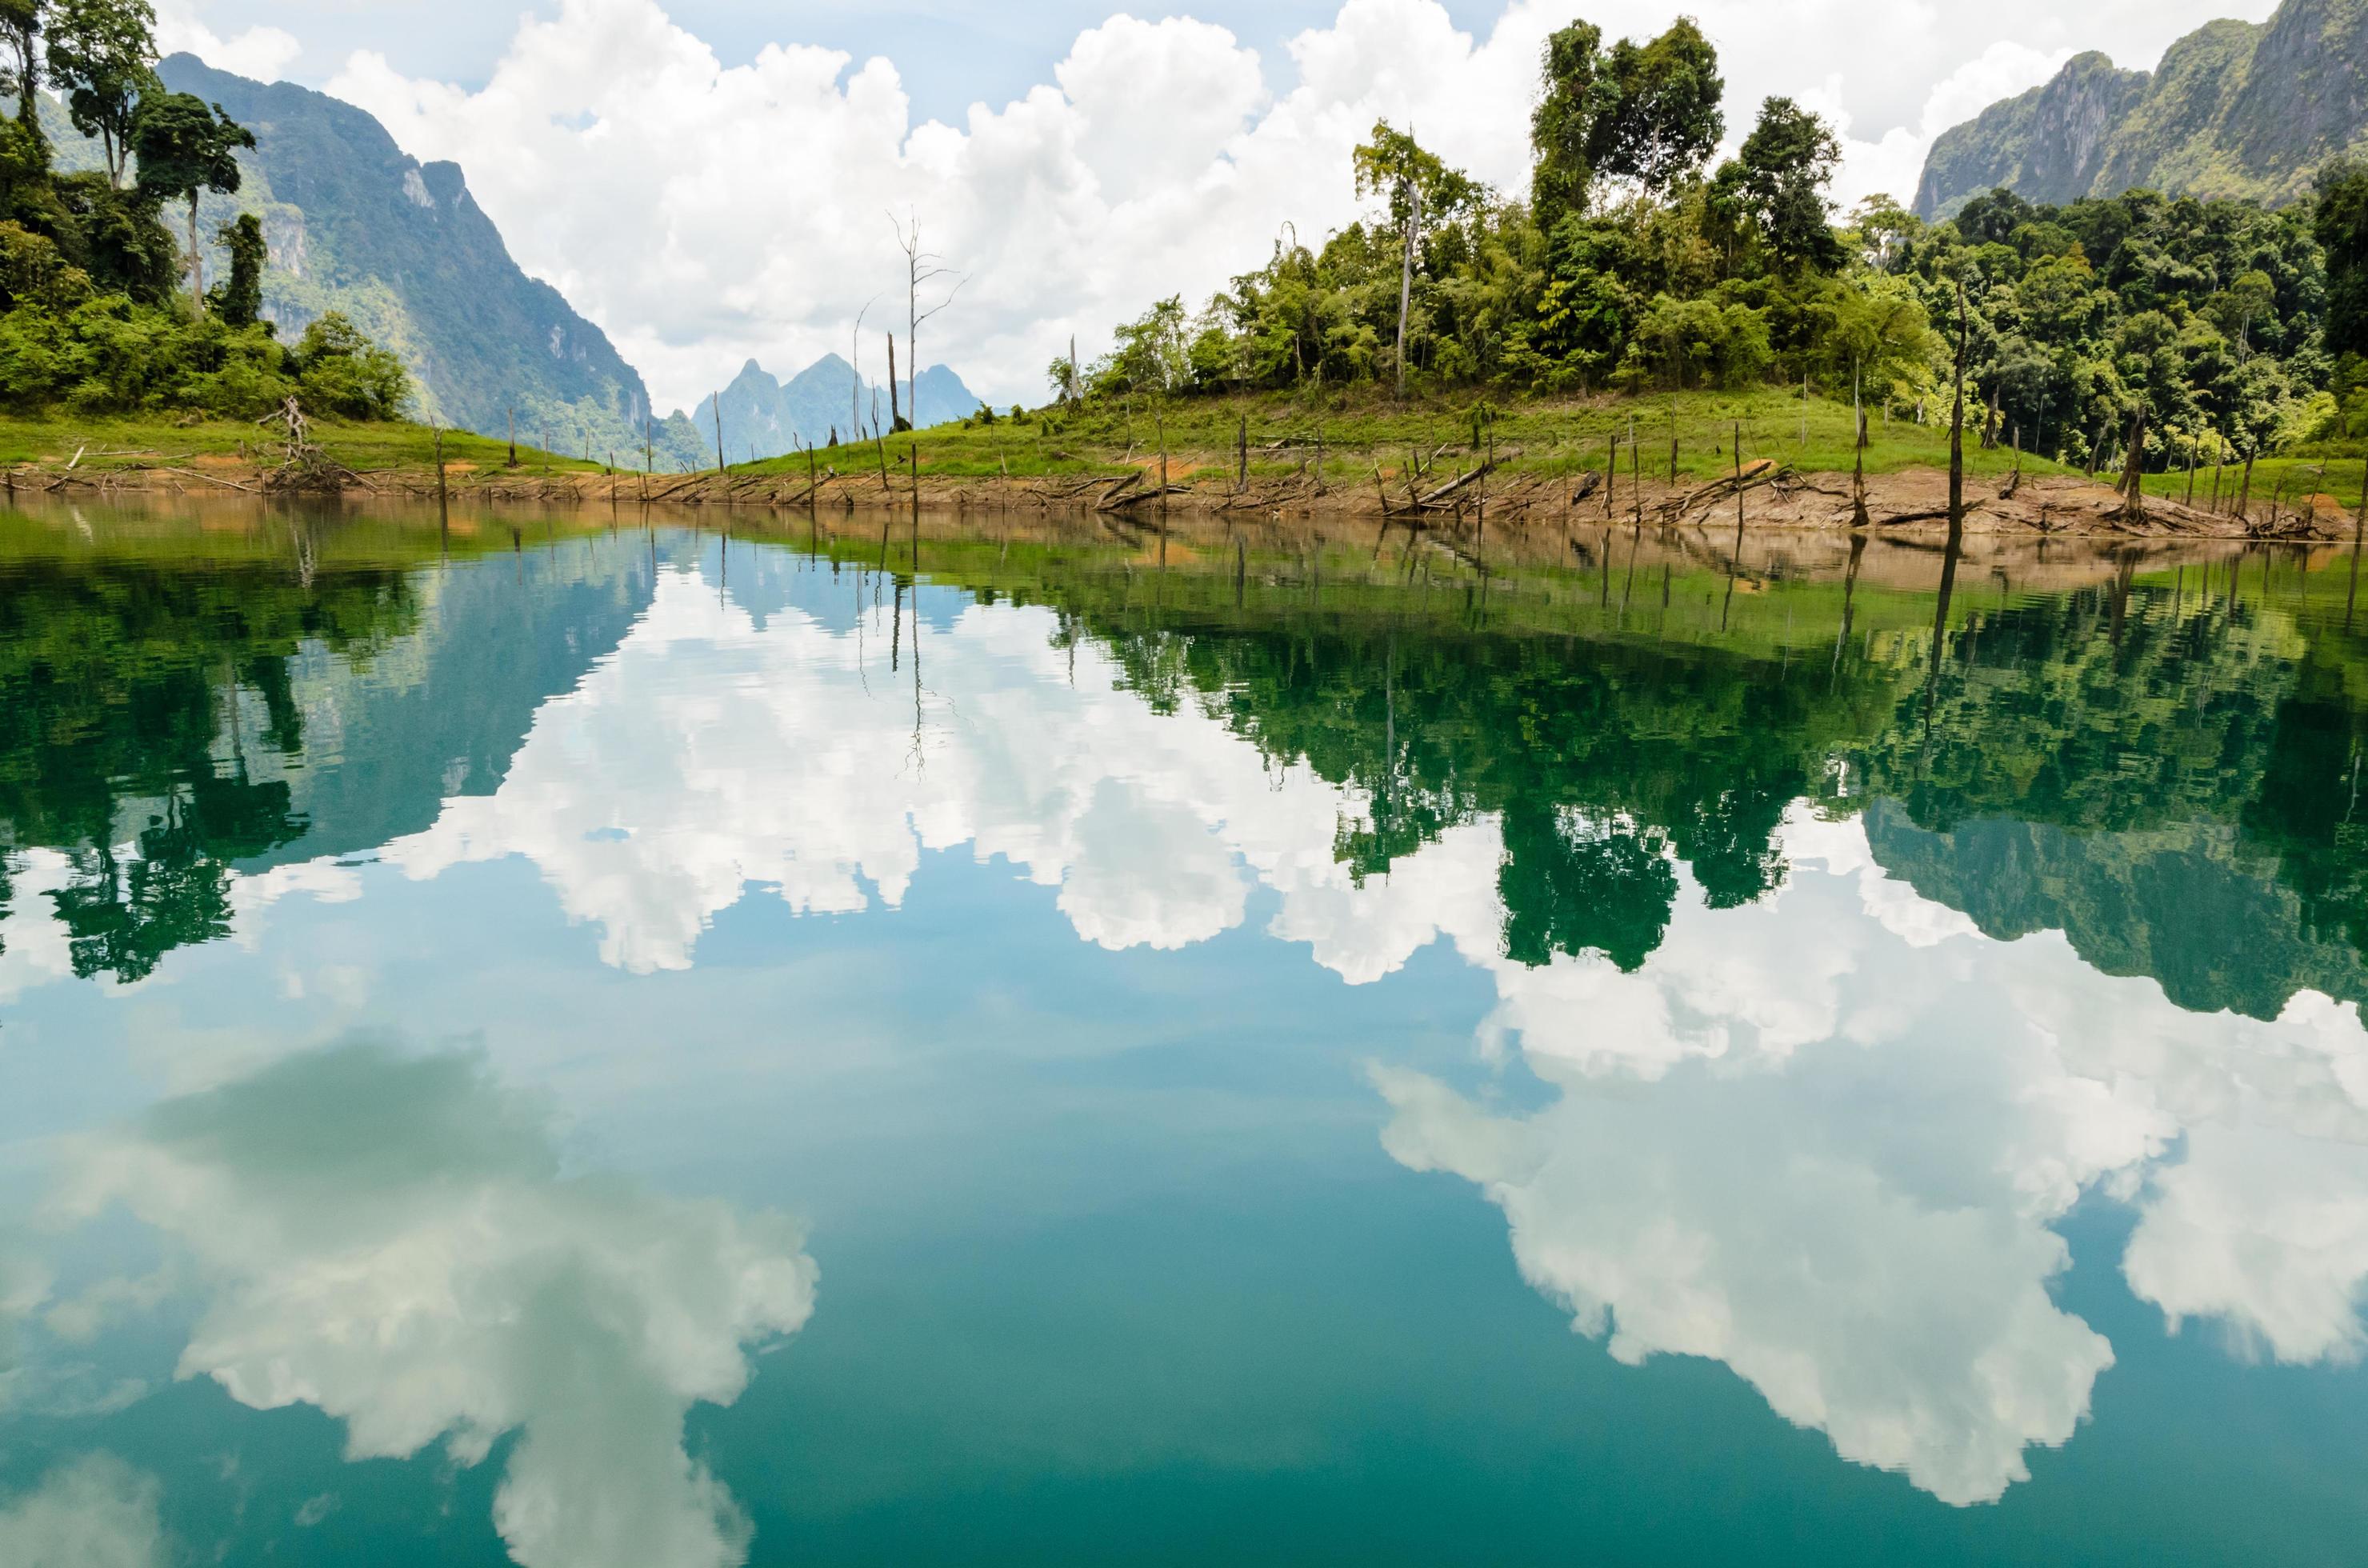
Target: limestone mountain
355, 224
768, 417
2235, 108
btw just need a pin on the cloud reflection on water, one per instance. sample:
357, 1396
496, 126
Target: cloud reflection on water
1824, 1137
391, 1238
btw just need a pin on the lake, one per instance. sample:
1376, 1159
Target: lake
588, 1039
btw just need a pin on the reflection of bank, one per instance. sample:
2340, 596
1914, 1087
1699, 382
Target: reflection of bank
389, 1238
169, 729
1824, 1139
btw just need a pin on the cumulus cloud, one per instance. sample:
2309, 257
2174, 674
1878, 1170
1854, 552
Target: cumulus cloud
1160, 157
35, 948
2266, 1234
811, 768
261, 52
1918, 1338
1824, 1139
391, 1239
94, 1512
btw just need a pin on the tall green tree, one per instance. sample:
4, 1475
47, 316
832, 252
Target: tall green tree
103, 54
1562, 128
1776, 185
2340, 225
20, 30
238, 299
1660, 119
187, 146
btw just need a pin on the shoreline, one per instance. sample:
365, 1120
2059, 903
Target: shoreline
1911, 499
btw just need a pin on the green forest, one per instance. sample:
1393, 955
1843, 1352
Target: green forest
1634, 264
104, 306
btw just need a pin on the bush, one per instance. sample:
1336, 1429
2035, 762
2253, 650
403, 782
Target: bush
341, 372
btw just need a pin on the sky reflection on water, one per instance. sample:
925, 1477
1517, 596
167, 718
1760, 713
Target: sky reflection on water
548, 974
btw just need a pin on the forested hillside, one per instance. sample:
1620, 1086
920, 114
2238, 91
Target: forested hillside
354, 223
1633, 263
105, 303
2236, 109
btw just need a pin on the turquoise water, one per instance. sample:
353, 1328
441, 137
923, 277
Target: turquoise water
579, 1043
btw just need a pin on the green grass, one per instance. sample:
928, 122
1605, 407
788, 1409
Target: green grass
111, 442
1532, 435
2279, 480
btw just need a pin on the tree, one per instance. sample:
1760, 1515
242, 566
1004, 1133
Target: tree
1151, 355
238, 299
103, 52
2340, 225
1660, 118
1776, 182
1422, 190
921, 268
345, 374
20, 28
1562, 128
186, 146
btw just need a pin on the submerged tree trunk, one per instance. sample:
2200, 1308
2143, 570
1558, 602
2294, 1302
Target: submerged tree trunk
2133, 473
1859, 518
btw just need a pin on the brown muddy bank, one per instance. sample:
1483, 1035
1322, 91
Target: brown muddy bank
1770, 498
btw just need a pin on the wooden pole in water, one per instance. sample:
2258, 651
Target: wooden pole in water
1735, 561
511, 415
1242, 449
439, 468
1611, 472
722, 468
1636, 472
2359, 527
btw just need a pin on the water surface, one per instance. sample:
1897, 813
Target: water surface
597, 1040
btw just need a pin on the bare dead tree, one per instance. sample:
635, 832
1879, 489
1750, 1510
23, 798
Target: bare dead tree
855, 364
922, 268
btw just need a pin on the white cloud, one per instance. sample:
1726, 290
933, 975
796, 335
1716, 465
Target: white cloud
1690, 1221
1825, 1139
2268, 1235
34, 946
94, 1512
391, 1239
261, 51
701, 213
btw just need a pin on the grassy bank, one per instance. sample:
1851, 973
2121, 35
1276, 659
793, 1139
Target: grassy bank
116, 443
1343, 441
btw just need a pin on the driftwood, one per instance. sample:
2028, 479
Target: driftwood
1471, 476
1122, 502
210, 479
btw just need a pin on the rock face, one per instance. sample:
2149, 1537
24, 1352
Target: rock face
2235, 108
353, 223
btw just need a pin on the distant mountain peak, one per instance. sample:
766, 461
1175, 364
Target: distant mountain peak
769, 418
